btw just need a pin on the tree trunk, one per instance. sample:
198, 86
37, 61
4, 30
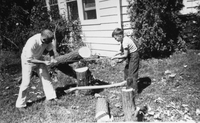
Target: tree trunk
128, 100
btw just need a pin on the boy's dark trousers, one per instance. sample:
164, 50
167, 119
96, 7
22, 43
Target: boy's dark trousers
132, 67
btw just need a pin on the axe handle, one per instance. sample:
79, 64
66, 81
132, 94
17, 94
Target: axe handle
96, 87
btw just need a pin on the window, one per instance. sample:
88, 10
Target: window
72, 10
54, 10
89, 9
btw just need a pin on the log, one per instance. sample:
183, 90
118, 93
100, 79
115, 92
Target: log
128, 102
75, 55
102, 111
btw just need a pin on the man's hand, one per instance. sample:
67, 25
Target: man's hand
54, 61
47, 63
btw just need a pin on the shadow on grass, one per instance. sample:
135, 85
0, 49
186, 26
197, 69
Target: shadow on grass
143, 83
13, 68
35, 101
60, 91
97, 82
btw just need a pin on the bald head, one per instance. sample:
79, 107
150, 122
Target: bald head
47, 36
47, 33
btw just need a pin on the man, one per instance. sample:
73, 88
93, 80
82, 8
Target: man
31, 59
128, 52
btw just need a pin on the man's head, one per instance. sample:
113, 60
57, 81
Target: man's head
47, 36
118, 34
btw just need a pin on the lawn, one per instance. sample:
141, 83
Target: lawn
171, 92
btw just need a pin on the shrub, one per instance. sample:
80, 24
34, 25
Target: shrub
21, 22
157, 26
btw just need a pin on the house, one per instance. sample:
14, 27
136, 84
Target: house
190, 6
98, 19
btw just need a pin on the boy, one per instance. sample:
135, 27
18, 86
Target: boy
128, 52
31, 59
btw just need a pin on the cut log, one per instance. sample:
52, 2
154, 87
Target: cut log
75, 55
128, 101
81, 74
102, 111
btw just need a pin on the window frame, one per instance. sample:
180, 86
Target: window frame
81, 14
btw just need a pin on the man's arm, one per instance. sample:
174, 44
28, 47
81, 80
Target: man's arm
51, 53
36, 61
54, 48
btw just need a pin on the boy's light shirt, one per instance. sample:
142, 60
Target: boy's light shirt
34, 48
128, 43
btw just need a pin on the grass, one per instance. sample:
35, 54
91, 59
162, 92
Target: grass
173, 93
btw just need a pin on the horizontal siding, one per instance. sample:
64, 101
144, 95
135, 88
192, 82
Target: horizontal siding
112, 48
189, 6
125, 17
103, 52
126, 24
124, 3
100, 27
124, 9
98, 36
109, 19
98, 33
107, 4
101, 40
62, 7
108, 11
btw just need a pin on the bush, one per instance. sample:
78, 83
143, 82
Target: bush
21, 23
191, 29
157, 26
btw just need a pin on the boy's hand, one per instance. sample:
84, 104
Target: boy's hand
120, 60
112, 58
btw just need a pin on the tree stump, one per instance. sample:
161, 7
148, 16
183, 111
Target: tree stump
102, 110
128, 101
81, 74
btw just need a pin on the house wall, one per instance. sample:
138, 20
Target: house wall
97, 33
126, 25
190, 6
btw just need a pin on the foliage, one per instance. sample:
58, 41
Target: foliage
67, 35
157, 26
191, 27
28, 17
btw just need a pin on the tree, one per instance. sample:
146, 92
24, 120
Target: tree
156, 25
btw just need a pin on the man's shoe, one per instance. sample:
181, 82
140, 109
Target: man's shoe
21, 109
52, 101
